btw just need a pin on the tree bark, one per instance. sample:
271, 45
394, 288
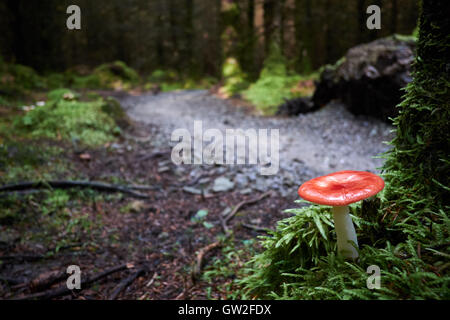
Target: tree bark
269, 10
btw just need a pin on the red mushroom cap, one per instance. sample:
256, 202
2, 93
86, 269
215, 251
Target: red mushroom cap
341, 188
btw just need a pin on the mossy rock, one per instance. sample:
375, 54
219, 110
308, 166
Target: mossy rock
91, 81
159, 76
27, 78
116, 71
16, 80
56, 80
369, 79
115, 75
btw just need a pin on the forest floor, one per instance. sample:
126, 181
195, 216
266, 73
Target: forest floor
173, 244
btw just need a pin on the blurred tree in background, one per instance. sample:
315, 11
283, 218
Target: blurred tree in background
192, 36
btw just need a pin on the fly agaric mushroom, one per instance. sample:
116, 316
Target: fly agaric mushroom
338, 190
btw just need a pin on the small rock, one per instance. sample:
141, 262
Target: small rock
225, 212
203, 180
163, 235
164, 163
192, 190
163, 169
246, 191
256, 221
222, 184
241, 180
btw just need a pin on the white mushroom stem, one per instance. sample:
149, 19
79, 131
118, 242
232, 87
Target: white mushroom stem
345, 231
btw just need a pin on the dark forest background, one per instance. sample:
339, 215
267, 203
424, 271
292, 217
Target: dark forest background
192, 36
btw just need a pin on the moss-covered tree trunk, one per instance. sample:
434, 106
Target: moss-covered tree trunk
418, 167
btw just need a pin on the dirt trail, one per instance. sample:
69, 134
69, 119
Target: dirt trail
328, 140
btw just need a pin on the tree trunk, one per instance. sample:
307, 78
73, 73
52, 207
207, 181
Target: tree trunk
419, 164
251, 36
174, 33
394, 14
269, 15
189, 33
361, 8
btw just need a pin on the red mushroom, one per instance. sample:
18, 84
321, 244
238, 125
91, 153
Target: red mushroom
338, 190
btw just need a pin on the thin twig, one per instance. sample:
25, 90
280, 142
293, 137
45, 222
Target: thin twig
230, 216
200, 257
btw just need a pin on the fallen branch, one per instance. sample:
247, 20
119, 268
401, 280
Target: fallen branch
200, 257
99, 186
43, 281
63, 290
230, 216
126, 282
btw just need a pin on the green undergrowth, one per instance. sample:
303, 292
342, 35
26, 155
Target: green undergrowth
275, 84
115, 75
170, 80
234, 79
299, 259
220, 273
17, 80
65, 116
51, 218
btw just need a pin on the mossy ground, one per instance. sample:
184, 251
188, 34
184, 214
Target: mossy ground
277, 83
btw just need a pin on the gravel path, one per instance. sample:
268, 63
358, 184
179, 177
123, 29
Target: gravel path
313, 144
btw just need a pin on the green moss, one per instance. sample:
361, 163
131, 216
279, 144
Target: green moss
233, 77
160, 76
3, 101
115, 75
170, 80
275, 83
299, 259
117, 70
56, 80
28, 160
27, 77
68, 118
16, 79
